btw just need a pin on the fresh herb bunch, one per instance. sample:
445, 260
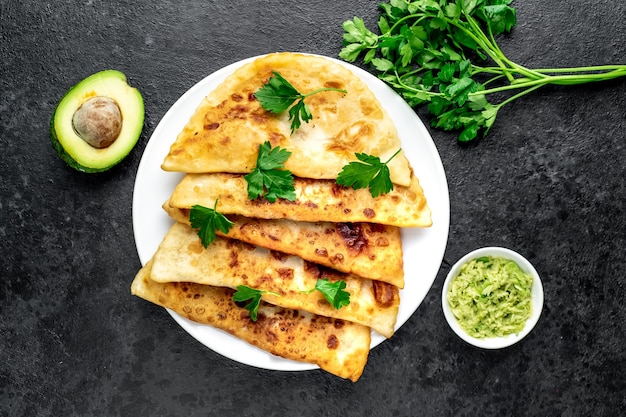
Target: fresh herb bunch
269, 179
368, 172
277, 95
444, 54
207, 221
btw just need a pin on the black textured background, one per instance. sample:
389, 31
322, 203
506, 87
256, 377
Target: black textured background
548, 182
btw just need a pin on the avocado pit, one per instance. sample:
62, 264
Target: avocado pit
98, 121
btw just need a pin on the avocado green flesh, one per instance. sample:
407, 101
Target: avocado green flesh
72, 148
491, 297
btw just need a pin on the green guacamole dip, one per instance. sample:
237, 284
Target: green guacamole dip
491, 297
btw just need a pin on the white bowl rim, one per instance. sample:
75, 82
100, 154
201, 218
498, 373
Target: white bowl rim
537, 298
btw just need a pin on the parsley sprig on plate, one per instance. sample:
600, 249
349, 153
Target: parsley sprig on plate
269, 179
253, 298
367, 172
207, 221
334, 292
278, 95
443, 54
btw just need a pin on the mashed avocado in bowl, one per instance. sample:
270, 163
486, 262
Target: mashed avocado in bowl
492, 297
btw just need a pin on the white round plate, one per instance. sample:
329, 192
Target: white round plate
423, 248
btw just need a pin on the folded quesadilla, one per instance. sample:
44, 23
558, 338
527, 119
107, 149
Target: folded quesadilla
286, 280
368, 250
337, 346
283, 248
224, 133
316, 200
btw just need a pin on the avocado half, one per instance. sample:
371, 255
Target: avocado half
84, 151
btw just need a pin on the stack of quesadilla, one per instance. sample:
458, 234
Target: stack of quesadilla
283, 247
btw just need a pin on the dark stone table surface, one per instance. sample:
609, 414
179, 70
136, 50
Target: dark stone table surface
548, 182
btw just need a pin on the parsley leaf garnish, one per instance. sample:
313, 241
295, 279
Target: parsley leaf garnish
334, 292
444, 54
368, 172
277, 95
207, 221
268, 179
253, 296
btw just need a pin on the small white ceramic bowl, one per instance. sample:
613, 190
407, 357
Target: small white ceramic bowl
536, 298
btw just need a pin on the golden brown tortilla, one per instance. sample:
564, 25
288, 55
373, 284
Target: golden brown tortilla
369, 250
316, 200
224, 133
337, 346
287, 279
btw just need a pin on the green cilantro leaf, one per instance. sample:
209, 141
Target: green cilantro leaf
356, 31
334, 292
358, 38
469, 132
269, 179
459, 90
253, 296
297, 113
207, 221
382, 64
352, 51
368, 172
446, 73
278, 95
501, 17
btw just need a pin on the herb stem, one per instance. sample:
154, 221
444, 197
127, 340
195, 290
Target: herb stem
416, 90
547, 71
494, 79
319, 90
489, 47
407, 17
567, 79
393, 156
520, 94
592, 69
